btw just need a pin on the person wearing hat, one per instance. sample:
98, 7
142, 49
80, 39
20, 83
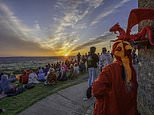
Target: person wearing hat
115, 88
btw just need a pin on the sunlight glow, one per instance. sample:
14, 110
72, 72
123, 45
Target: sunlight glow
66, 55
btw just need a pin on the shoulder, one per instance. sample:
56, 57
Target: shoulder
108, 54
112, 66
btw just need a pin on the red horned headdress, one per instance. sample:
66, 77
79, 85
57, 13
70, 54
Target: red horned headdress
121, 48
135, 17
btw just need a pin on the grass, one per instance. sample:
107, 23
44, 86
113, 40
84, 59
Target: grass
16, 104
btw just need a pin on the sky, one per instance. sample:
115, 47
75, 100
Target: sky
59, 27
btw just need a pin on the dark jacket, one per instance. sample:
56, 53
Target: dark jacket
92, 60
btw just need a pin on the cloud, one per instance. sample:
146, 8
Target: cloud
37, 25
101, 16
121, 3
14, 39
72, 12
11, 44
21, 38
103, 38
62, 37
68, 21
108, 12
9, 18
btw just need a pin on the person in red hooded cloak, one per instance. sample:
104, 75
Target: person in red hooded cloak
115, 88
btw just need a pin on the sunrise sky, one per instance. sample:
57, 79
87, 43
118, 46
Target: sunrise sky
59, 27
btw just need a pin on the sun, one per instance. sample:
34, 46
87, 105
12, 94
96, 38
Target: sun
66, 55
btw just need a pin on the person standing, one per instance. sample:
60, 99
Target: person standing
78, 57
92, 61
115, 88
105, 58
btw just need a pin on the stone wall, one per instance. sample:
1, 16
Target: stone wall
146, 77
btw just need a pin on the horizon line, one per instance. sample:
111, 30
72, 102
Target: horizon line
34, 56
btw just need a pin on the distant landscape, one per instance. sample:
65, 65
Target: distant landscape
16, 64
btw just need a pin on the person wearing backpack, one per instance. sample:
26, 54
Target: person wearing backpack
92, 66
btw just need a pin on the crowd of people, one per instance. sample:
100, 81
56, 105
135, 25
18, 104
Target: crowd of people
60, 71
12, 85
96, 63
50, 74
115, 88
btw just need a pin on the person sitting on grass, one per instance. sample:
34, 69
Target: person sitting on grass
76, 70
32, 78
12, 78
62, 76
82, 66
8, 89
71, 70
46, 69
5, 85
51, 77
24, 77
41, 75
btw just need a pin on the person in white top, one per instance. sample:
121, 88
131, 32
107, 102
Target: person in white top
32, 78
76, 69
105, 58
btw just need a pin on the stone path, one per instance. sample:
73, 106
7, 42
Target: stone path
65, 102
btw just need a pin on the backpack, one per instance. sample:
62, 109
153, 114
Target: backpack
88, 93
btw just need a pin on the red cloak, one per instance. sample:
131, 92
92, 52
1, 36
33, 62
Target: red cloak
112, 95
